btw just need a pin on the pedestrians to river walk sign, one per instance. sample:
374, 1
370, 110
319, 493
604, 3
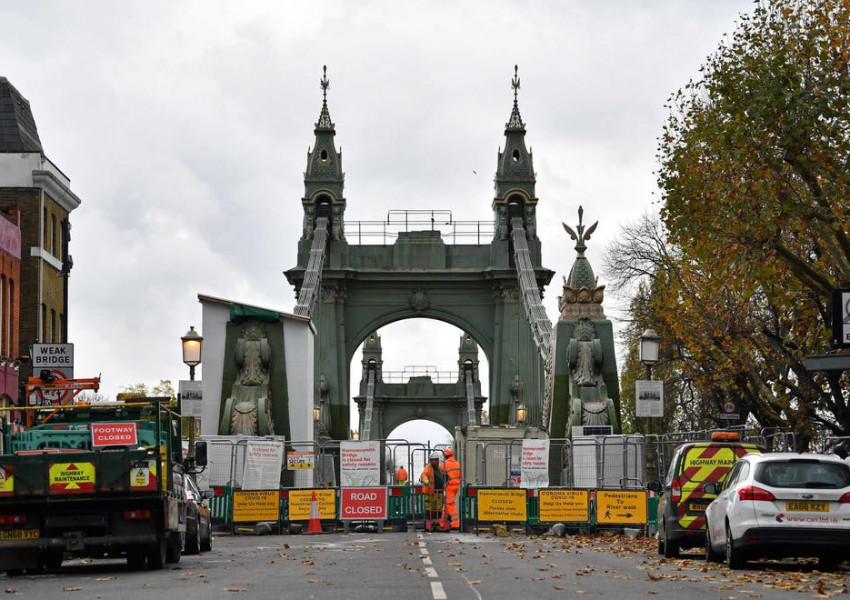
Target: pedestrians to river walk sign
621, 507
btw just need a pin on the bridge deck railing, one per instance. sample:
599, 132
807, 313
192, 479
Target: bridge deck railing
386, 232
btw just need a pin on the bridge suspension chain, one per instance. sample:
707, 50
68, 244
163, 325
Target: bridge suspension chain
541, 326
312, 284
366, 434
470, 397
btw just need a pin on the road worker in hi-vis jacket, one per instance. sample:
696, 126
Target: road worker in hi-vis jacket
451, 468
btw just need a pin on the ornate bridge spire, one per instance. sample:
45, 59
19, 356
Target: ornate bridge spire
582, 293
325, 123
515, 122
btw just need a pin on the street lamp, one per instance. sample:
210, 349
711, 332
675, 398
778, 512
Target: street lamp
192, 343
650, 343
521, 414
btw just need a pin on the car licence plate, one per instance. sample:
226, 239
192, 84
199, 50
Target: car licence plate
19, 534
699, 505
804, 506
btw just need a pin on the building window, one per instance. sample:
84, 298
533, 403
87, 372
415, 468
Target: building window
54, 233
52, 326
42, 329
44, 233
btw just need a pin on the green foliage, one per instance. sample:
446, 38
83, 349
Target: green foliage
755, 177
141, 390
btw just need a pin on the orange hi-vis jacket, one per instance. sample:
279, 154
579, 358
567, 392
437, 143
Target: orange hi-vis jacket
428, 480
452, 470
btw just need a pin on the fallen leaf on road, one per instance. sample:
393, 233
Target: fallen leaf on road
234, 589
655, 577
11, 590
104, 578
307, 562
315, 581
475, 581
71, 588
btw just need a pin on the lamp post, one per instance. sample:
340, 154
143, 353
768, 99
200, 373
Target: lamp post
650, 343
192, 345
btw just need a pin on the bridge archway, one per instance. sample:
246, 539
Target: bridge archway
440, 381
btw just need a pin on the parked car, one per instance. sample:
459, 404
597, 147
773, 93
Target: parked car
198, 520
683, 497
781, 505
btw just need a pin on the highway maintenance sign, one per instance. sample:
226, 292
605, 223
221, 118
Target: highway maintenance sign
72, 478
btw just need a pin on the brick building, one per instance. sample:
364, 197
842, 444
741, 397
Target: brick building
38, 194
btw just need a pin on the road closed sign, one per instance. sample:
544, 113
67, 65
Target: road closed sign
502, 505
363, 503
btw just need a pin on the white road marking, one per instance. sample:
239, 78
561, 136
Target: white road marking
472, 587
437, 591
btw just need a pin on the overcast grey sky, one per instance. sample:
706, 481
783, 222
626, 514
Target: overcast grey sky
184, 128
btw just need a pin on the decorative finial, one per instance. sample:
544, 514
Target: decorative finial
582, 236
325, 83
515, 121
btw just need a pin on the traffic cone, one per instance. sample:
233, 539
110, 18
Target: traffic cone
315, 525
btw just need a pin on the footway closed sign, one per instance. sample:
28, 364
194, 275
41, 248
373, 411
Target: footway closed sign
363, 503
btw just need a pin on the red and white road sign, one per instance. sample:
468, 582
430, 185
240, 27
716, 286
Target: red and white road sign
363, 503
113, 434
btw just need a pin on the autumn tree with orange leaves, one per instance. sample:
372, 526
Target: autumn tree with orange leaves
755, 182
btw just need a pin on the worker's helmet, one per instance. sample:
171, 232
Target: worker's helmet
436, 454
448, 452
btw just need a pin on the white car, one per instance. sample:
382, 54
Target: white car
781, 505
